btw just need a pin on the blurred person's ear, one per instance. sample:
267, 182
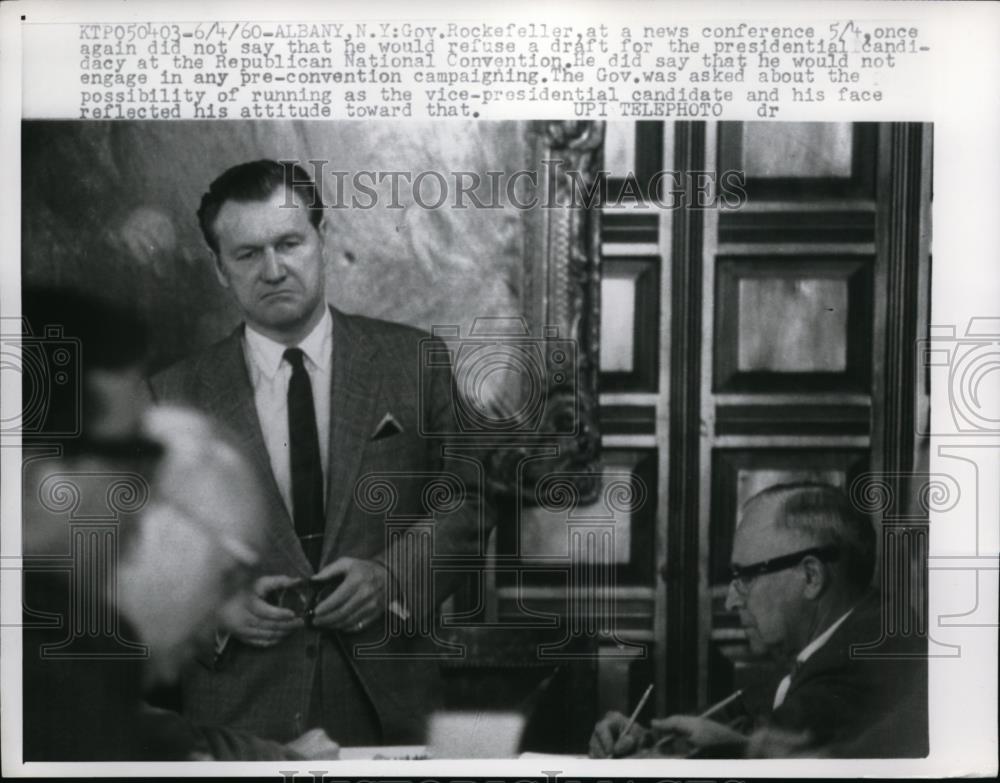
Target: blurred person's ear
116, 401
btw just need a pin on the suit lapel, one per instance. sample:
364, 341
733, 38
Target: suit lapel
835, 653
229, 396
353, 397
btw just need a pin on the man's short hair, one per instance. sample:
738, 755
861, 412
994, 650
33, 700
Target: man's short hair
256, 181
825, 515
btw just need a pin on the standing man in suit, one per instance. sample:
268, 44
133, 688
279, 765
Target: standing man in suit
323, 401
802, 564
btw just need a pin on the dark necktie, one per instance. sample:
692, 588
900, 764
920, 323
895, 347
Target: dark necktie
307, 468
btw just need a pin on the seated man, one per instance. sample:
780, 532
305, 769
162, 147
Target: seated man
802, 563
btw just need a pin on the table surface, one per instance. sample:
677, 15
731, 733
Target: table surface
417, 752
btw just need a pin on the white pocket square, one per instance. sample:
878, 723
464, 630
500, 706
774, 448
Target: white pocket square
388, 426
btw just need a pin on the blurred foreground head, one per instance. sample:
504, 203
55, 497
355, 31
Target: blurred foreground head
184, 544
194, 547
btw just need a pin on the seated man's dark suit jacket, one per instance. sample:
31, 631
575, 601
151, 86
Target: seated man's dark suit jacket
89, 707
375, 373
841, 698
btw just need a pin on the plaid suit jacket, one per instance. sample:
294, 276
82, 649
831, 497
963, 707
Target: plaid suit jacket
377, 508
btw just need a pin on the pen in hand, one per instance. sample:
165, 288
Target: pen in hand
636, 711
720, 706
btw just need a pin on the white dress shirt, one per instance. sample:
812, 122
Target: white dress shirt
802, 657
269, 375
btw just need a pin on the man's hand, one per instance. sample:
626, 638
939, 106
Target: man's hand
608, 741
314, 744
358, 601
699, 732
255, 621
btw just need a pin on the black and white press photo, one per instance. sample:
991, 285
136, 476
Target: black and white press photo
419, 395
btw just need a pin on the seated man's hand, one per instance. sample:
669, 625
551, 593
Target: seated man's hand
358, 601
314, 744
609, 741
255, 621
699, 732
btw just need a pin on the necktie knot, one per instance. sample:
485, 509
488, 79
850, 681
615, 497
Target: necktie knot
295, 357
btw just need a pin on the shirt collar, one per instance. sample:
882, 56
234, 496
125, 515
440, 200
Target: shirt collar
822, 639
267, 354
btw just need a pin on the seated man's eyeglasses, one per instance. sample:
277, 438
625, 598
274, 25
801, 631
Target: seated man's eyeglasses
743, 575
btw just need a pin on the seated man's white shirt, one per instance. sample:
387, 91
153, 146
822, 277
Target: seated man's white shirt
804, 655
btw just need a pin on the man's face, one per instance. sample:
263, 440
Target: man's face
271, 258
771, 610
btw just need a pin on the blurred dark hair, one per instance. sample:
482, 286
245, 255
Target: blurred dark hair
256, 181
112, 335
66, 335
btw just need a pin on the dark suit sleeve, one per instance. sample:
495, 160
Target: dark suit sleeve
459, 527
218, 742
841, 697
830, 706
224, 744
